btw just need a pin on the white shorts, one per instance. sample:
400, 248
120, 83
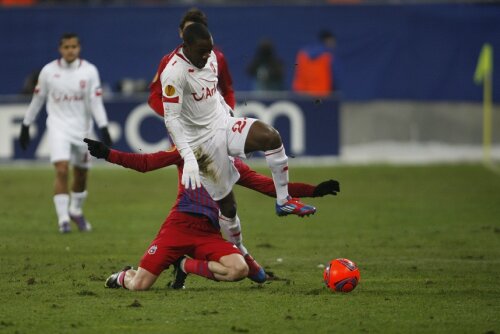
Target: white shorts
217, 171
63, 147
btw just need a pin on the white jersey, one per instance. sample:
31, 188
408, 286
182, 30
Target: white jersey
190, 95
73, 94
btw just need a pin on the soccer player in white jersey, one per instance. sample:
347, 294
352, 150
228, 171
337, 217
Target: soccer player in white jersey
200, 125
72, 89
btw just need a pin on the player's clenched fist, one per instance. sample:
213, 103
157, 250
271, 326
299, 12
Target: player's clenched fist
97, 149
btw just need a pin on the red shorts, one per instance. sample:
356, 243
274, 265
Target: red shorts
185, 234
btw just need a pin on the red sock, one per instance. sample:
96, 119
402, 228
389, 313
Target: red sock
121, 279
198, 267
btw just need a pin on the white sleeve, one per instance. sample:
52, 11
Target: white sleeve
96, 104
39, 96
172, 96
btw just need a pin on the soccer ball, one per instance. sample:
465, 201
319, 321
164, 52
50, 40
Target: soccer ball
341, 275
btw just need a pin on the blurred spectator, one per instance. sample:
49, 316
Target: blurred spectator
266, 68
314, 67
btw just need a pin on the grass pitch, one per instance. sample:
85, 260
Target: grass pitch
426, 240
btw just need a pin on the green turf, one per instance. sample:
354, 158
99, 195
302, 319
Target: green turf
426, 239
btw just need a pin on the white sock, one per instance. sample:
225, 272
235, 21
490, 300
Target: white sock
231, 227
278, 162
61, 202
76, 203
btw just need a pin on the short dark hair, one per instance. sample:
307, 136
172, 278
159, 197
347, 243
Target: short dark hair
195, 32
194, 15
68, 35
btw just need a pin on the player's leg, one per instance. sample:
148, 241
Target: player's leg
60, 153
168, 245
209, 248
231, 228
61, 196
227, 206
78, 195
254, 135
130, 279
229, 268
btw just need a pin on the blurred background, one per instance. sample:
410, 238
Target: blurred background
409, 81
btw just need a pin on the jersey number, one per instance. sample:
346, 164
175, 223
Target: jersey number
239, 126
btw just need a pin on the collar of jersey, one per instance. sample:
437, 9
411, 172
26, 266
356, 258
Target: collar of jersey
64, 64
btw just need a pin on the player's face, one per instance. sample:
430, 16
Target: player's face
199, 51
69, 49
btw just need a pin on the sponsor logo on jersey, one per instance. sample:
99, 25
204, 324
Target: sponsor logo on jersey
170, 90
152, 249
66, 98
206, 92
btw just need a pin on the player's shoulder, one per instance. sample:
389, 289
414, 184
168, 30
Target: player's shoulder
177, 66
53, 65
87, 65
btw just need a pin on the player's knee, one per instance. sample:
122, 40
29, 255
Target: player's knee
62, 173
270, 138
238, 271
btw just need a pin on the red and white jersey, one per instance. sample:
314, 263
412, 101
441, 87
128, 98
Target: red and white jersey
190, 95
73, 94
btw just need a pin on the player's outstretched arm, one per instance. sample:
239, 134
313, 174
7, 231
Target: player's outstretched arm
140, 162
265, 185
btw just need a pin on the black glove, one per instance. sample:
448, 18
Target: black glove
24, 137
97, 149
105, 137
330, 187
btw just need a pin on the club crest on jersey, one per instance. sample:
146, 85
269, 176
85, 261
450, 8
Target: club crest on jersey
170, 90
83, 83
152, 249
206, 92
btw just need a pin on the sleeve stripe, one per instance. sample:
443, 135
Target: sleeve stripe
170, 99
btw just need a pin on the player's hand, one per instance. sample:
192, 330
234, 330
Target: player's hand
105, 137
191, 173
97, 149
330, 187
24, 137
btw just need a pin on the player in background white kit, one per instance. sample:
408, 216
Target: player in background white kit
200, 125
72, 89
